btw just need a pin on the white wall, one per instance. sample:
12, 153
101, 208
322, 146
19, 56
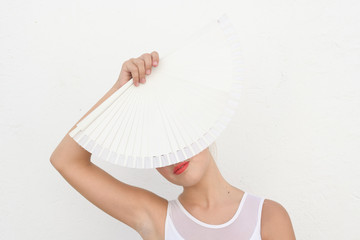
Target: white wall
295, 138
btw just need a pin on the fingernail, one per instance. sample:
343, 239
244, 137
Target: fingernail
143, 80
155, 63
148, 71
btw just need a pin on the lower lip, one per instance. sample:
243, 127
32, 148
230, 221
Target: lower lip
182, 169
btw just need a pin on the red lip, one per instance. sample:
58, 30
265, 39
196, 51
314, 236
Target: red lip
179, 165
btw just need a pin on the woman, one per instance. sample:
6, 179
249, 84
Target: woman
207, 202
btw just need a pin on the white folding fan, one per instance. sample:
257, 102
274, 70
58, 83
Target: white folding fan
186, 102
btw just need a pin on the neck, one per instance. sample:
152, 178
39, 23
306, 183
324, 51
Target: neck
212, 190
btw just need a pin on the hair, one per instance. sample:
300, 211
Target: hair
213, 150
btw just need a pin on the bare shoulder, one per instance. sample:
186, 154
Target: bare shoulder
275, 222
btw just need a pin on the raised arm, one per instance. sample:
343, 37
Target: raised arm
131, 205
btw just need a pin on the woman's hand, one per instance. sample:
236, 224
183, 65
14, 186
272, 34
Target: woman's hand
136, 68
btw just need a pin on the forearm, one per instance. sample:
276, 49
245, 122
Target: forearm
69, 152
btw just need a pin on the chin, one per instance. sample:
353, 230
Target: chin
185, 179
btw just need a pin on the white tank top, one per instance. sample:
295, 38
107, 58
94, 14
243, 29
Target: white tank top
244, 225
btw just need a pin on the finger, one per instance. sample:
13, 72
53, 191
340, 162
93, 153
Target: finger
155, 58
148, 62
141, 66
134, 71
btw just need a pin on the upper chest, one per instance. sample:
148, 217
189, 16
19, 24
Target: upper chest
236, 218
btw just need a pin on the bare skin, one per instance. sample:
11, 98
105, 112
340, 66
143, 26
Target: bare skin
206, 195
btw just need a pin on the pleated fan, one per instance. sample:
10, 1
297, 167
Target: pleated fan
185, 104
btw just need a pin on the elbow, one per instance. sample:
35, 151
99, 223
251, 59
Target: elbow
68, 154
55, 162
61, 162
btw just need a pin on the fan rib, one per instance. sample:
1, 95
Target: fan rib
107, 128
